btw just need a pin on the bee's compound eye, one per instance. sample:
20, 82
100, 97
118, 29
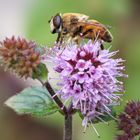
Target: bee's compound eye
57, 21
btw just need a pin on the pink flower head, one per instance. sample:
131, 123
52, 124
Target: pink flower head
89, 78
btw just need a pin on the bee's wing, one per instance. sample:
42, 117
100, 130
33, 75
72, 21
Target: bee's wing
108, 26
78, 16
107, 36
95, 23
92, 21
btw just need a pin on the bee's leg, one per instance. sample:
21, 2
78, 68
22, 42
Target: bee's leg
59, 40
77, 31
87, 32
96, 38
77, 40
58, 37
96, 35
93, 39
69, 39
102, 46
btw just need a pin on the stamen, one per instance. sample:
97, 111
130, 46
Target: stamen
112, 116
102, 120
114, 104
110, 47
84, 131
94, 128
106, 108
97, 37
84, 107
99, 113
81, 104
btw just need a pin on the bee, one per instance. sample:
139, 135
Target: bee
63, 24
91, 29
77, 27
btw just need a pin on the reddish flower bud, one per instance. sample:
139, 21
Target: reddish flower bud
129, 121
20, 56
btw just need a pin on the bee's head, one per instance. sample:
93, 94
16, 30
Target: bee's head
56, 23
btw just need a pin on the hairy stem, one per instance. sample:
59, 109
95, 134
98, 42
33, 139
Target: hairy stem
56, 99
67, 134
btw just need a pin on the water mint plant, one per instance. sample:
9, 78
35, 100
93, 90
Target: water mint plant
88, 77
88, 80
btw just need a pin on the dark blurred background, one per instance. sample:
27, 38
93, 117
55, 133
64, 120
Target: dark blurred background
29, 18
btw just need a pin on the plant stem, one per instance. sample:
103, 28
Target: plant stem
67, 134
56, 99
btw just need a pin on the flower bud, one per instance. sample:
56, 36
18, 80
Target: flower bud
20, 56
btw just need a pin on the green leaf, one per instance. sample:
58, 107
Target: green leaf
34, 100
41, 72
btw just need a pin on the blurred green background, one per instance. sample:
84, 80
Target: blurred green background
122, 15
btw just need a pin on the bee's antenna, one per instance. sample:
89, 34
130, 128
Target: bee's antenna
50, 19
58, 14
